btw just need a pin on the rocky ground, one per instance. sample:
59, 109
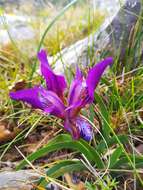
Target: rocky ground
17, 20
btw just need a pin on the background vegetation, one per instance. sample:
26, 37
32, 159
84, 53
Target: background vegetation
113, 160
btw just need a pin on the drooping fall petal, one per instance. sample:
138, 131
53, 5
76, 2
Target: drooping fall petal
55, 83
95, 74
85, 128
79, 127
29, 96
51, 103
42, 99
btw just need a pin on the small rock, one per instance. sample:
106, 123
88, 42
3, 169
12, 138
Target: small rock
112, 35
17, 180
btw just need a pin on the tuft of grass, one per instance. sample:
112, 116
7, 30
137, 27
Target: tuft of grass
73, 27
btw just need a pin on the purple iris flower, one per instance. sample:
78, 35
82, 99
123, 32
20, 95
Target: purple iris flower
51, 99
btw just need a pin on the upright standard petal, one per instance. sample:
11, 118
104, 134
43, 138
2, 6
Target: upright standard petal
81, 91
78, 95
55, 83
76, 87
95, 74
51, 103
29, 96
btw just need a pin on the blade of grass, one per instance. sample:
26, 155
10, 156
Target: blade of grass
61, 168
124, 151
104, 111
46, 31
115, 156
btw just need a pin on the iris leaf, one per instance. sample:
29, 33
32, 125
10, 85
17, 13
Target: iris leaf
105, 116
62, 142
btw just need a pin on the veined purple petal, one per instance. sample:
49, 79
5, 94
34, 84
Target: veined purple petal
79, 74
78, 95
51, 103
40, 98
55, 83
76, 87
95, 74
74, 109
81, 91
29, 96
85, 128
79, 127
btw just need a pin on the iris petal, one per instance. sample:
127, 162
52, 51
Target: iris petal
79, 127
40, 98
95, 74
81, 91
29, 96
85, 128
78, 95
76, 87
51, 103
55, 83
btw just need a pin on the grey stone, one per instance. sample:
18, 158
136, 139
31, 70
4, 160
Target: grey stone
113, 34
18, 3
123, 23
17, 26
18, 33
17, 180
78, 52
123, 42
